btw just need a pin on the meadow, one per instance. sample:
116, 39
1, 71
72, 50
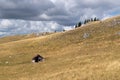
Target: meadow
90, 52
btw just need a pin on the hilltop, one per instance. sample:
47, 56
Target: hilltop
12, 38
90, 52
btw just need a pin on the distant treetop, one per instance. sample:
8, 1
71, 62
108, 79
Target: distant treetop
86, 21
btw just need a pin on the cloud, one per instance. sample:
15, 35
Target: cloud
5, 23
61, 11
12, 27
26, 16
25, 9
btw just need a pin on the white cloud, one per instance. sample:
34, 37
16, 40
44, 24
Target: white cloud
12, 27
53, 1
105, 16
2, 33
68, 28
44, 16
5, 23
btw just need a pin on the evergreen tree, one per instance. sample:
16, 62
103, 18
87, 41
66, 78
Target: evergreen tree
55, 31
63, 30
95, 19
85, 21
79, 24
76, 26
91, 19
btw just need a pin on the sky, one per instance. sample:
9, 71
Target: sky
29, 16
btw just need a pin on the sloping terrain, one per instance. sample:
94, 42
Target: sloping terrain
21, 37
86, 53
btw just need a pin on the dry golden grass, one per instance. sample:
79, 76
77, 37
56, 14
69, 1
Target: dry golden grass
22, 37
68, 55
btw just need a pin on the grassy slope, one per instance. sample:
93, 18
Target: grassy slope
15, 38
21, 37
68, 55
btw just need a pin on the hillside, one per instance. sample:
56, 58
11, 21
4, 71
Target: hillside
86, 53
21, 37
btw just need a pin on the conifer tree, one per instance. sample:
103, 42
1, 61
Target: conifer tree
76, 26
91, 19
79, 24
95, 19
85, 21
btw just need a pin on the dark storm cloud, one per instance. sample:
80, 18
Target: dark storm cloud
23, 9
62, 11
